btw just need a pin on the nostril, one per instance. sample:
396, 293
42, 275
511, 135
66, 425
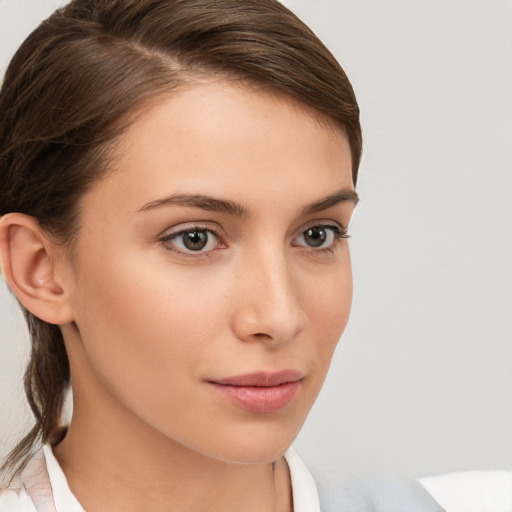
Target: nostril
262, 335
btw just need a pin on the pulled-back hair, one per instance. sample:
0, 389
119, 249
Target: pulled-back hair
75, 81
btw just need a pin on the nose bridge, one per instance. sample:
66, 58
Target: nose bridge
269, 306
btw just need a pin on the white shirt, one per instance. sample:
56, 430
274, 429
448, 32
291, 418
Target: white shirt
47, 489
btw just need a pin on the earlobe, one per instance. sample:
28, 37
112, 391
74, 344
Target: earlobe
27, 259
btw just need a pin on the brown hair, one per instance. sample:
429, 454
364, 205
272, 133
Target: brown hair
84, 69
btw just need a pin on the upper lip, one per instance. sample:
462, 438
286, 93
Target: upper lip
261, 379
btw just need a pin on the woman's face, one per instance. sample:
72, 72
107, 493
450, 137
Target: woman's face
212, 277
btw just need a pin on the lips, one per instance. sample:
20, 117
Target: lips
260, 392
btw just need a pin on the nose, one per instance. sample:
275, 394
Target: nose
269, 306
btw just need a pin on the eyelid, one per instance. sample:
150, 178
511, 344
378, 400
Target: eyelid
323, 222
189, 226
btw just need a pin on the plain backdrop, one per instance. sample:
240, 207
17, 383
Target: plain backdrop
422, 380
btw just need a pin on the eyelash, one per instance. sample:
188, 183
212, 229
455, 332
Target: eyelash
339, 233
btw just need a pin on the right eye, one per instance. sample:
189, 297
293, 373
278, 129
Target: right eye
192, 240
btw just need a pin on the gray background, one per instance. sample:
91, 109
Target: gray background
422, 380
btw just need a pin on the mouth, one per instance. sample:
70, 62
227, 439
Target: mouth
260, 392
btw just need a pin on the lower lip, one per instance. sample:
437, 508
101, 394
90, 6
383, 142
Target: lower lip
260, 399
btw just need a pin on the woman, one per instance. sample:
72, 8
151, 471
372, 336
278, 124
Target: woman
177, 179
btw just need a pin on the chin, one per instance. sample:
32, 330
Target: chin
258, 444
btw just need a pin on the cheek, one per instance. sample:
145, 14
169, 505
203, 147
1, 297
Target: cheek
145, 326
328, 307
329, 295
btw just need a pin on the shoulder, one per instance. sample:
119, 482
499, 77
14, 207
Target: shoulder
346, 493
481, 491
30, 491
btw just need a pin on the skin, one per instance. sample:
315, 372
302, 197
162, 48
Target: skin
151, 323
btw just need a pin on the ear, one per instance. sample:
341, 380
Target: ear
29, 262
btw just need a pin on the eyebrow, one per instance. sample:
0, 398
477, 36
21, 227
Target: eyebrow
208, 203
341, 196
199, 201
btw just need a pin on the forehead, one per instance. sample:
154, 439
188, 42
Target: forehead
202, 95
229, 138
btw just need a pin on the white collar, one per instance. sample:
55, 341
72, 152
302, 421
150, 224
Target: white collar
64, 499
305, 494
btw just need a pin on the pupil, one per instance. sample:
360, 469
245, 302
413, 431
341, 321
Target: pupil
195, 240
315, 237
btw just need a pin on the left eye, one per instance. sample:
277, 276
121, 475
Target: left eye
320, 236
195, 240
